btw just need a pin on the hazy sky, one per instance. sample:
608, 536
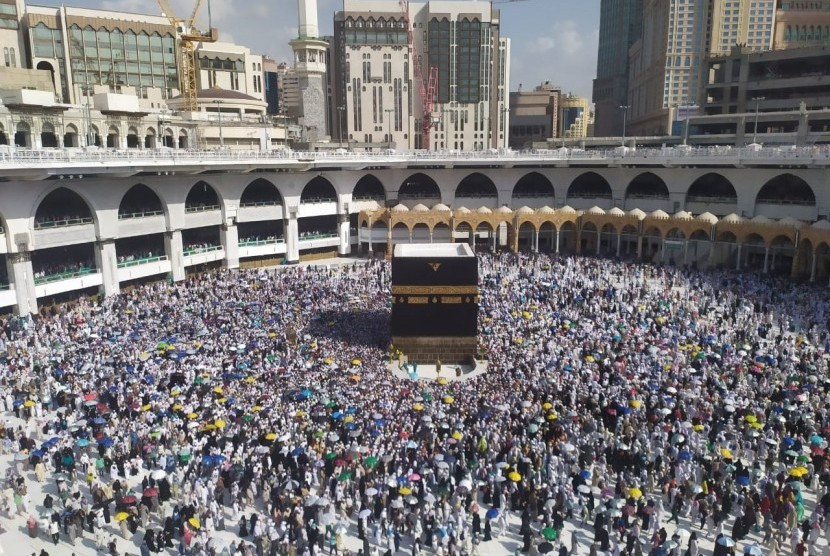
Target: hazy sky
552, 40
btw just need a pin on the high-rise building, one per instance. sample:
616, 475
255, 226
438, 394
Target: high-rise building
271, 83
378, 102
666, 65
534, 115
620, 25
574, 116
800, 23
311, 65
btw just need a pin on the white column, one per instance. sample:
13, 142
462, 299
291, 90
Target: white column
535, 241
23, 279
107, 263
344, 232
292, 240
599, 240
229, 236
557, 241
619, 242
174, 249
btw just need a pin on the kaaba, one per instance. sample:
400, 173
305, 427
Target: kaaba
435, 302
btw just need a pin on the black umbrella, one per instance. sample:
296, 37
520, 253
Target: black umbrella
545, 548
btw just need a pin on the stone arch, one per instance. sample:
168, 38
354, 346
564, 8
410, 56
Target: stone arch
420, 232
476, 186
646, 186
132, 138
23, 135
70, 136
48, 137
140, 200
260, 192
568, 236
589, 185
713, 193
786, 258
369, 188
318, 190
441, 233
526, 231
786, 189
202, 196
419, 186
113, 137
534, 186
61, 207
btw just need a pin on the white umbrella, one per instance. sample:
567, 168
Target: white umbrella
158, 474
364, 514
584, 489
371, 491
397, 503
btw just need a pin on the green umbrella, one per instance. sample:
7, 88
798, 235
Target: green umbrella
370, 462
331, 404
248, 418
330, 455
549, 533
427, 397
802, 457
345, 476
319, 434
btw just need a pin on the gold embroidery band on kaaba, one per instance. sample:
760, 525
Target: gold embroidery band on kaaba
434, 290
444, 299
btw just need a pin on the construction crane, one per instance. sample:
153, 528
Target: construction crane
428, 88
188, 36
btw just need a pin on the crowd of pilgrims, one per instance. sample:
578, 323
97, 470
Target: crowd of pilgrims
626, 409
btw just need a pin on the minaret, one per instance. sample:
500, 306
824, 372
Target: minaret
310, 64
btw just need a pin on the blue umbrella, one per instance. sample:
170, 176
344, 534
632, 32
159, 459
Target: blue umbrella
351, 410
83, 442
742, 480
337, 414
106, 442
99, 421
38, 453
684, 455
492, 513
585, 474
17, 403
296, 451
350, 426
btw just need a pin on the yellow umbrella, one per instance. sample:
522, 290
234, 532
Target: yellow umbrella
547, 405
348, 419
217, 389
271, 436
725, 452
514, 476
635, 404
121, 516
448, 399
519, 341
418, 407
209, 427
256, 408
798, 471
28, 403
635, 493
751, 419
552, 416
177, 407
442, 381
194, 521
406, 491
272, 335
250, 380
526, 315
146, 407
355, 362
328, 360
589, 358
757, 425
698, 428
175, 392
219, 423
457, 435
300, 413
221, 400
192, 415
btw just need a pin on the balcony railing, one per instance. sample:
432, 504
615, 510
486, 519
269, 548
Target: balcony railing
309, 237
273, 203
48, 224
145, 260
141, 214
710, 199
317, 200
49, 278
378, 198
255, 242
201, 208
199, 250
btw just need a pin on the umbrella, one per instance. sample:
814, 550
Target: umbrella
514, 476
635, 493
492, 513
584, 489
121, 516
150, 492
158, 474
371, 491
726, 541
370, 462
195, 523
82, 442
364, 514
549, 533
545, 548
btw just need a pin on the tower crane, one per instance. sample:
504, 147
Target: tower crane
427, 89
188, 36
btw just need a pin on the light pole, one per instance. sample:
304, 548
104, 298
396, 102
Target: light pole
90, 141
755, 131
389, 126
624, 108
219, 111
340, 110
